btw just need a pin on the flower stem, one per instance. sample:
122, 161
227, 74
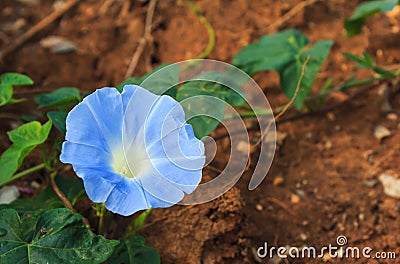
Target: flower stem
211, 33
101, 214
343, 87
24, 173
65, 200
138, 223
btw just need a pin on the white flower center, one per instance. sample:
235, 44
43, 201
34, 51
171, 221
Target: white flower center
127, 169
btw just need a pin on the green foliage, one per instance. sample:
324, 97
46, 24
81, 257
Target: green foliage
48, 199
354, 24
284, 52
7, 81
62, 98
132, 250
59, 120
200, 86
139, 221
25, 138
163, 82
56, 236
212, 113
367, 62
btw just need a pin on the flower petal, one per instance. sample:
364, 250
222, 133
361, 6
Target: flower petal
157, 186
98, 183
79, 122
107, 109
183, 179
165, 116
84, 156
127, 93
127, 198
136, 113
180, 148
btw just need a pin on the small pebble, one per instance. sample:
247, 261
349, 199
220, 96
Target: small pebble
361, 217
295, 198
369, 156
35, 185
370, 183
309, 135
328, 144
57, 5
278, 181
384, 93
8, 194
331, 116
381, 132
391, 185
337, 128
392, 116
243, 147
326, 257
303, 236
259, 207
300, 193
58, 44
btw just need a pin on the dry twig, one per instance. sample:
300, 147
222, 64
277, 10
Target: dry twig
143, 41
16, 43
292, 12
287, 106
63, 198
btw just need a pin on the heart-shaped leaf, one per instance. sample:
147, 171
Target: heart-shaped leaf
56, 236
285, 53
25, 139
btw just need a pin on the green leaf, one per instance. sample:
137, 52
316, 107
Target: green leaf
6, 92
62, 97
204, 113
132, 251
271, 52
25, 138
7, 81
200, 85
161, 82
354, 24
57, 236
139, 221
48, 199
212, 84
59, 120
284, 52
366, 61
15, 79
291, 74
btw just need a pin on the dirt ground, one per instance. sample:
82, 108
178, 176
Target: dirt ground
324, 179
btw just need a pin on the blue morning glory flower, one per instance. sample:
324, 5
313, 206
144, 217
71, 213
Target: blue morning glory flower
133, 150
